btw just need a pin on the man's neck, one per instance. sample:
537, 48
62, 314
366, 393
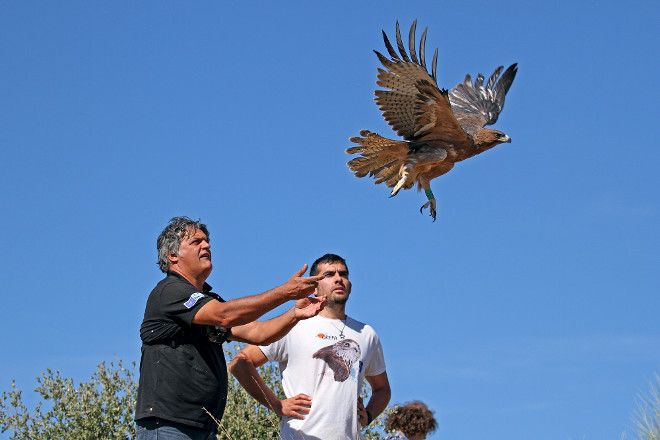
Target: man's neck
199, 284
337, 312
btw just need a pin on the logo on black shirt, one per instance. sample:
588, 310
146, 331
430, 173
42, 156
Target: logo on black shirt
193, 299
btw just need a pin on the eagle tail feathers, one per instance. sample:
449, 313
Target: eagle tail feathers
380, 157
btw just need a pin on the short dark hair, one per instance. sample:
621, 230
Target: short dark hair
327, 258
170, 239
414, 418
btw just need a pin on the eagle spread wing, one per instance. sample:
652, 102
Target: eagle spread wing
439, 128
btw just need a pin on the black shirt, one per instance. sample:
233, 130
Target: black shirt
182, 370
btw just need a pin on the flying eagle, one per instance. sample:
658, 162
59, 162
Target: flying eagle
340, 357
439, 128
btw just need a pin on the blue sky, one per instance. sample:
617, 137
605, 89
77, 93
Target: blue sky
527, 310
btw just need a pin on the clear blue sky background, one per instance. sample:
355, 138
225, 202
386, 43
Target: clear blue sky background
529, 309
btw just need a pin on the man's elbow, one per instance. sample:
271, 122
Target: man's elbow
259, 339
388, 394
238, 364
219, 314
228, 320
384, 393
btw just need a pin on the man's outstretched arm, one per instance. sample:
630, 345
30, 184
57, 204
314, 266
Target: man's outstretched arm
244, 310
244, 368
266, 332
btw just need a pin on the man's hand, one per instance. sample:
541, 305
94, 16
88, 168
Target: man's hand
298, 287
296, 406
363, 418
308, 307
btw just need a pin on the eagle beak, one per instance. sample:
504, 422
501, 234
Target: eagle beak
505, 138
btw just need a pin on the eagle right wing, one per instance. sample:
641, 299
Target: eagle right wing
400, 76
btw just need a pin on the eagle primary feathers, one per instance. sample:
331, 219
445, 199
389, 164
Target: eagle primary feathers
439, 128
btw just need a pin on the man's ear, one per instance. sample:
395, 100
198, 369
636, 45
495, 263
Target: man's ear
174, 258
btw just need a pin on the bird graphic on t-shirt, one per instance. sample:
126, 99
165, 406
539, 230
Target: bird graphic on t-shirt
340, 357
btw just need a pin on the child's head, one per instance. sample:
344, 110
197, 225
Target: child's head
414, 419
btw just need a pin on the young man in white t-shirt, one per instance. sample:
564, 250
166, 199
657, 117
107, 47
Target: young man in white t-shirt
323, 362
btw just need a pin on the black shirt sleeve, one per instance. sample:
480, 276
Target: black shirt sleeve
170, 310
180, 303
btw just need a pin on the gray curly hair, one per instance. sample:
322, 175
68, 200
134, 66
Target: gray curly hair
170, 239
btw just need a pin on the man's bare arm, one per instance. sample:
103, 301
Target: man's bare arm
380, 397
244, 368
266, 332
244, 310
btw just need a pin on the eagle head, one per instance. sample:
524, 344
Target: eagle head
487, 138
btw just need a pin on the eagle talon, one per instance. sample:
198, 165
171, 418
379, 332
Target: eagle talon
431, 205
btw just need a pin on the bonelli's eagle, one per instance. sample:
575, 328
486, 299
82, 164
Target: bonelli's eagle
340, 357
439, 128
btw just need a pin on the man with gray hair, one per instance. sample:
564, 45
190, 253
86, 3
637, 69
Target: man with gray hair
182, 369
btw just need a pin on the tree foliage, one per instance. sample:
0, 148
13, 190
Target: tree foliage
103, 407
244, 417
647, 416
100, 408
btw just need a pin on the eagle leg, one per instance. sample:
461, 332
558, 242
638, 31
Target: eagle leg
405, 172
430, 204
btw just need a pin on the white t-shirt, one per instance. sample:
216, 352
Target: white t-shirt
315, 360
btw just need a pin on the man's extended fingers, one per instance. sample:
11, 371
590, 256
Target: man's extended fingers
299, 287
310, 301
302, 271
320, 305
314, 279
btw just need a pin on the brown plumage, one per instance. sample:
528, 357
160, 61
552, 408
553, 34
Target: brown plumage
439, 128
